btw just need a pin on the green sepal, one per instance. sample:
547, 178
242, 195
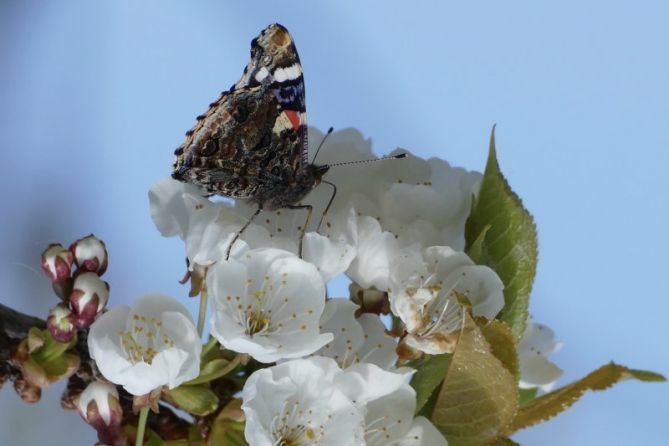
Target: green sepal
427, 379
228, 427
197, 400
210, 371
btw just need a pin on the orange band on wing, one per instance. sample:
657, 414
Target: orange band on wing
294, 118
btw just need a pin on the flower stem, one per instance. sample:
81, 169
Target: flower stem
204, 296
141, 425
231, 365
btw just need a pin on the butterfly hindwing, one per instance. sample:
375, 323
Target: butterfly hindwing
252, 142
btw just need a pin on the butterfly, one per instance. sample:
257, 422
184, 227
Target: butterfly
252, 142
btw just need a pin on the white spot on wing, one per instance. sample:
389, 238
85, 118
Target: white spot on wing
280, 75
262, 74
289, 73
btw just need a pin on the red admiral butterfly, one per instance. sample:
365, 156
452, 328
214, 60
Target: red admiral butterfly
252, 142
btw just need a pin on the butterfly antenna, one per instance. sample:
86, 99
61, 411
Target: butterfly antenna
389, 157
334, 187
321, 144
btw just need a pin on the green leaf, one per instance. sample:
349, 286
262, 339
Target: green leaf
428, 377
549, 405
502, 345
196, 400
501, 233
478, 398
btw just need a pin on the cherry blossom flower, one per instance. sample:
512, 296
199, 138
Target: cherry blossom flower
361, 339
150, 345
424, 201
537, 344
426, 289
390, 421
421, 433
208, 228
313, 401
267, 303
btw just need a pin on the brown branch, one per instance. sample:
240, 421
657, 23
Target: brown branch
14, 326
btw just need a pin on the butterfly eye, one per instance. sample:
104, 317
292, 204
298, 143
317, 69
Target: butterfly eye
267, 59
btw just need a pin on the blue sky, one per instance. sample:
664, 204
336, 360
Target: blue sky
96, 96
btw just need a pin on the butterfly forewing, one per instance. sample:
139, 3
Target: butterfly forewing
252, 142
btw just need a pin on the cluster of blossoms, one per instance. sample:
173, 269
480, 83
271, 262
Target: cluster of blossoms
295, 365
396, 229
428, 346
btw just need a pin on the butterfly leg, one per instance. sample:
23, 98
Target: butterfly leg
309, 209
239, 233
327, 208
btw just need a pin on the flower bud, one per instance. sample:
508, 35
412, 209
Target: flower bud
57, 262
60, 323
28, 392
99, 406
89, 296
90, 254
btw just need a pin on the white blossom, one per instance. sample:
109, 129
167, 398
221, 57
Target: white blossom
422, 433
424, 201
268, 304
150, 345
301, 402
208, 228
390, 422
313, 401
361, 339
375, 250
537, 344
426, 287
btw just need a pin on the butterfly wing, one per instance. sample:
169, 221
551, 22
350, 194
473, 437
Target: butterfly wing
275, 62
253, 139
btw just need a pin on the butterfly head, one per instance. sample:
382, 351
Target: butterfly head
317, 172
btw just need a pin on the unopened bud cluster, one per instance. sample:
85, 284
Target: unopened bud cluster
75, 273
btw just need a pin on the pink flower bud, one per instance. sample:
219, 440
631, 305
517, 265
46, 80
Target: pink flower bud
60, 323
89, 296
57, 262
90, 254
99, 406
